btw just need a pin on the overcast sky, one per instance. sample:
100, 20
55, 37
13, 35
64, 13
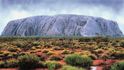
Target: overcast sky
16, 9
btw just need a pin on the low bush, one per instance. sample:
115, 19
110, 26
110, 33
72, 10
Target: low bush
66, 45
24, 45
50, 53
42, 57
117, 55
57, 48
77, 60
52, 65
2, 64
122, 43
45, 51
71, 68
42, 65
84, 39
28, 61
56, 58
93, 56
47, 45
6, 53
12, 63
36, 43
66, 52
117, 66
115, 44
13, 49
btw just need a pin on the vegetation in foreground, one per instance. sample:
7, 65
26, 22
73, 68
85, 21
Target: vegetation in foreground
74, 53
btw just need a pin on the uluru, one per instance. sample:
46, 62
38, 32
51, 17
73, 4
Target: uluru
62, 25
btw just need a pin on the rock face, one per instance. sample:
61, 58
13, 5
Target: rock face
62, 25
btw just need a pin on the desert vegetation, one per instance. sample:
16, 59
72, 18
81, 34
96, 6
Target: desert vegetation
61, 53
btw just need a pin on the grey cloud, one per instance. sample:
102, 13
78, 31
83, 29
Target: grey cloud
114, 4
110, 9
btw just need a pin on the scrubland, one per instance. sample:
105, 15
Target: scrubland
61, 53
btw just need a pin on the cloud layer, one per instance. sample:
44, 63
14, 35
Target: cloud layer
16, 9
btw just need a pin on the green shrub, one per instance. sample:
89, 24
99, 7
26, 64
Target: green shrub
122, 43
101, 39
1, 52
71, 68
67, 45
66, 52
12, 49
105, 39
45, 51
117, 66
57, 48
93, 56
24, 45
42, 65
12, 63
6, 54
21, 44
52, 65
118, 55
28, 61
100, 45
50, 53
115, 44
84, 39
1, 47
2, 64
56, 58
36, 43
47, 45
77, 60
